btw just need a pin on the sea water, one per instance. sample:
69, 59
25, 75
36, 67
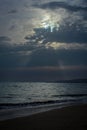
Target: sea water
26, 98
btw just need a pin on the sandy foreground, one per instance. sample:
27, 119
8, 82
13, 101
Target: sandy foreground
67, 118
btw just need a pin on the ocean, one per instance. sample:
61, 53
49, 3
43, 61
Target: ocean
26, 98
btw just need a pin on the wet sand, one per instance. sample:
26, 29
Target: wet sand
67, 118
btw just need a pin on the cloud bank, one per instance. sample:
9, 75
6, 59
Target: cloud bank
43, 38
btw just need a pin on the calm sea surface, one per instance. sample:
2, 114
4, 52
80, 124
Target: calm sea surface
24, 98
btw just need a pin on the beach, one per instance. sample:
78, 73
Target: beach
66, 118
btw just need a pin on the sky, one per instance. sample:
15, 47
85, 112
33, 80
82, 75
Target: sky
43, 40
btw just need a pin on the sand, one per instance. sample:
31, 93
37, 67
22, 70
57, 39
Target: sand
67, 118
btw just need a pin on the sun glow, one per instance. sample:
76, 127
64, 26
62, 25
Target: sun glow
50, 22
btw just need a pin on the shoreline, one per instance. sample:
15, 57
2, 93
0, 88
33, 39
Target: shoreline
67, 118
6, 114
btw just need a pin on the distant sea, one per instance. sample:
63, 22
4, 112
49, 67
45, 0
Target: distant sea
25, 98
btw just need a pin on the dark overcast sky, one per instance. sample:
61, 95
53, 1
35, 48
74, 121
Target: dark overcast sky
43, 40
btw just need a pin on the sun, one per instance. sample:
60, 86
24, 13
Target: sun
49, 22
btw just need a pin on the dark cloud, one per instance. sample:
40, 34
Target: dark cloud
6, 48
66, 34
12, 27
56, 5
84, 2
12, 60
4, 39
51, 57
10, 57
14, 55
4, 44
43, 64
13, 11
24, 56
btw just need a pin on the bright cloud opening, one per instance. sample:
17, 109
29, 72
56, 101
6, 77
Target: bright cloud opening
50, 21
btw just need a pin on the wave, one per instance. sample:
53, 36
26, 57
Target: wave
37, 103
63, 98
70, 95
